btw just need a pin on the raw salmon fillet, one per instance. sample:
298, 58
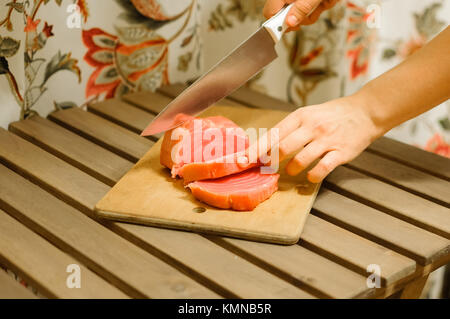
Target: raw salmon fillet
195, 166
243, 191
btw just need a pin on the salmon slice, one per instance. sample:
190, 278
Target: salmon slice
203, 160
243, 191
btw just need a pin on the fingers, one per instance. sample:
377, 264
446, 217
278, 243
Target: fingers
303, 12
324, 5
313, 17
294, 142
273, 6
264, 144
300, 10
306, 157
293, 29
326, 165
273, 136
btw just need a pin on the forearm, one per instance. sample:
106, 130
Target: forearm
418, 84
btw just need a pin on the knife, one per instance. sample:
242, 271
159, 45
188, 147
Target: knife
226, 76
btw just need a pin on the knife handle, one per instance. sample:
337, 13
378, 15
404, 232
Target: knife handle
276, 25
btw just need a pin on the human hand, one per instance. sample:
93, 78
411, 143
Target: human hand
334, 132
302, 13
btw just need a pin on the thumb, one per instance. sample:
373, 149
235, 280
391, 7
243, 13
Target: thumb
300, 10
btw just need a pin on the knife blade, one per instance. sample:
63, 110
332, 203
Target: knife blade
226, 76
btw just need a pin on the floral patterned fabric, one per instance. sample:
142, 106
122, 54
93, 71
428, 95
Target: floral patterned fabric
56, 54
402, 33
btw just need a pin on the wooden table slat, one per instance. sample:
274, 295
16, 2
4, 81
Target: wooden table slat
123, 114
396, 234
155, 102
43, 168
73, 149
353, 251
390, 199
152, 102
103, 132
129, 267
299, 263
173, 91
250, 97
412, 156
79, 193
220, 265
405, 177
43, 265
11, 289
402, 264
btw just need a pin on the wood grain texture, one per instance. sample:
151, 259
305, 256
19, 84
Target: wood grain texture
44, 168
172, 91
54, 180
127, 266
405, 177
148, 195
396, 234
351, 250
103, 132
394, 291
412, 156
324, 242
43, 265
392, 200
11, 289
242, 96
72, 148
155, 102
297, 263
124, 114
249, 97
414, 289
152, 102
237, 276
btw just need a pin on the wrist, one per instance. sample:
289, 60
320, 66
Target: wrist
370, 107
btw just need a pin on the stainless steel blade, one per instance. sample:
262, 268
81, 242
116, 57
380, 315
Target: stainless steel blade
225, 77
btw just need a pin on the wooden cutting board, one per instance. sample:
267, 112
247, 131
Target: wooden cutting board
148, 195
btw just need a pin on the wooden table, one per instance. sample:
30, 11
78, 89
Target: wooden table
389, 208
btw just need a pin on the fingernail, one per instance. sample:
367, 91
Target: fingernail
292, 21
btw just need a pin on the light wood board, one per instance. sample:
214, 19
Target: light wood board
148, 195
